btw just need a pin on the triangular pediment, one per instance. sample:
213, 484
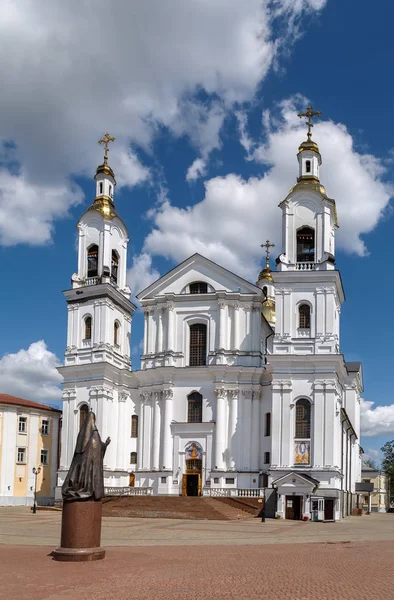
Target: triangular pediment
293, 479
198, 268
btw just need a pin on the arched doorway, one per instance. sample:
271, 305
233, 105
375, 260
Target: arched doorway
192, 479
131, 479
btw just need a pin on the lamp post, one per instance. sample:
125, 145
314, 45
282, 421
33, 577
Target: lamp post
35, 472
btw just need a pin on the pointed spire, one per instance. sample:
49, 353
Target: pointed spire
266, 272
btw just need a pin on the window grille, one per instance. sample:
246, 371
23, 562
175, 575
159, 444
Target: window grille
194, 408
88, 328
304, 316
22, 425
114, 266
194, 465
303, 419
45, 427
83, 413
21, 455
133, 458
93, 261
198, 345
198, 287
306, 245
267, 424
134, 426
44, 457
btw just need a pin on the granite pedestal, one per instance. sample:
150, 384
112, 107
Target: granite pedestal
81, 532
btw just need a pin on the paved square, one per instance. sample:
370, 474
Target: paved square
170, 559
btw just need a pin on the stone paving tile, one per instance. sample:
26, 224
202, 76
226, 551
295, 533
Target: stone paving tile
327, 571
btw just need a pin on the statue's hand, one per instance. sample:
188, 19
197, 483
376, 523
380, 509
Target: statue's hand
107, 441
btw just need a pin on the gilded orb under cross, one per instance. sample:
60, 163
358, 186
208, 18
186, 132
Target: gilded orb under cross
106, 139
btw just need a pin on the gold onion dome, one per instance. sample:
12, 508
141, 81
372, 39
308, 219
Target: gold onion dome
266, 273
105, 206
106, 169
309, 144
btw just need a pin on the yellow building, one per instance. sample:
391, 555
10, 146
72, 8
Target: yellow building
29, 439
379, 499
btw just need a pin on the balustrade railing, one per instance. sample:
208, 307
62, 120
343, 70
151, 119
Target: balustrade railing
234, 492
91, 281
306, 266
128, 491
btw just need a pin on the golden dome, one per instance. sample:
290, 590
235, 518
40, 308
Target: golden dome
265, 274
269, 310
309, 144
105, 206
106, 169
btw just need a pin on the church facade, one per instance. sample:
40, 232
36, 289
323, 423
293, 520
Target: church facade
242, 386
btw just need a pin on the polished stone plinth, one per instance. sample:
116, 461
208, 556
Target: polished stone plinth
81, 532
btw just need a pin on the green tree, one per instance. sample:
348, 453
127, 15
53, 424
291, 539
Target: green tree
388, 464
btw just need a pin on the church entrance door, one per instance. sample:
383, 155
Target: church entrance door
294, 508
328, 509
131, 479
192, 485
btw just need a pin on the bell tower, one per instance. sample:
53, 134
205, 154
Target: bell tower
97, 361
309, 217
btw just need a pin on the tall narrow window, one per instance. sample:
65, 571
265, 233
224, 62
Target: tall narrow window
110, 190
134, 426
93, 261
88, 328
198, 287
267, 458
116, 333
303, 419
306, 245
101, 187
114, 266
83, 413
133, 458
267, 429
304, 316
308, 166
22, 425
198, 345
194, 408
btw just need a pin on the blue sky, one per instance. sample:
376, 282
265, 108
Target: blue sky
219, 83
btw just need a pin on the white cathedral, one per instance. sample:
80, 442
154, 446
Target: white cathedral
242, 387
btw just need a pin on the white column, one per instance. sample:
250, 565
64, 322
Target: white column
147, 432
236, 327
256, 326
140, 445
122, 425
146, 316
160, 330
65, 431
156, 431
233, 449
170, 325
255, 445
167, 438
222, 325
220, 428
370, 503
247, 428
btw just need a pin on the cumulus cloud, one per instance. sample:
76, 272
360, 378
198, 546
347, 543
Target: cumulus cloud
197, 169
236, 215
74, 71
141, 273
31, 374
376, 420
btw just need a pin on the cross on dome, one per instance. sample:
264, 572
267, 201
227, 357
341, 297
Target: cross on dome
267, 247
309, 114
106, 139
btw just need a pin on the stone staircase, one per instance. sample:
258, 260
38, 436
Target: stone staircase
176, 507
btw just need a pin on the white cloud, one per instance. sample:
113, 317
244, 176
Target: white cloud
376, 420
197, 169
75, 71
141, 273
31, 374
236, 215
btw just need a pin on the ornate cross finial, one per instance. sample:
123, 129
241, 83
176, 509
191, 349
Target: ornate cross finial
308, 114
267, 247
106, 139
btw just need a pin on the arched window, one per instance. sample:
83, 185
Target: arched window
134, 426
306, 245
304, 316
110, 190
307, 166
116, 333
114, 266
198, 345
194, 408
101, 187
83, 413
265, 291
198, 287
93, 261
303, 419
133, 458
88, 328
